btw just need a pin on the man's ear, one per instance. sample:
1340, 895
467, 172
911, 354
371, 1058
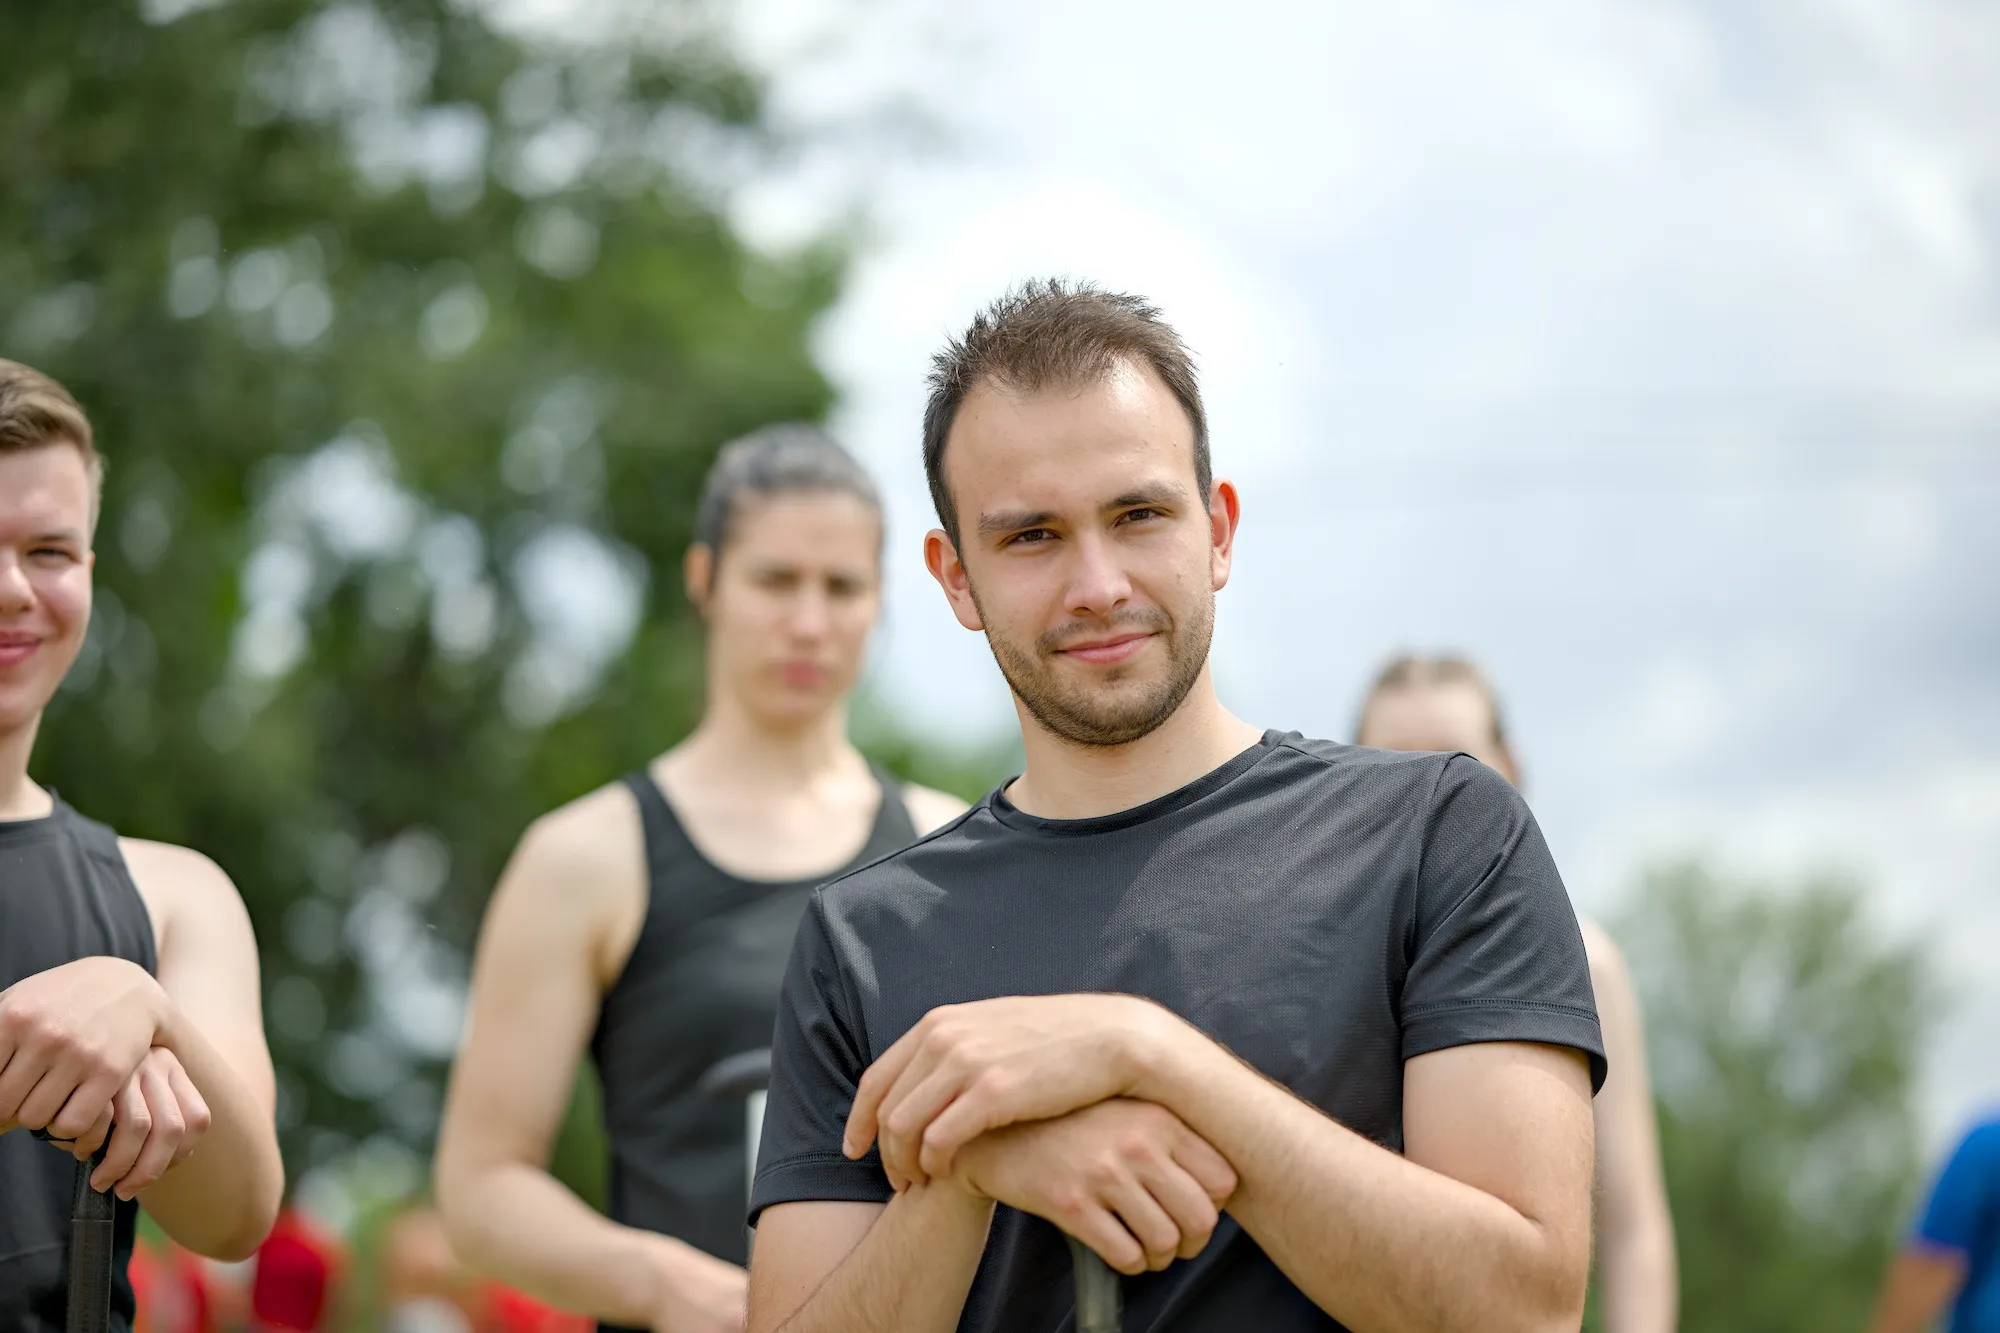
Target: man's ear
698, 575
941, 558
1225, 511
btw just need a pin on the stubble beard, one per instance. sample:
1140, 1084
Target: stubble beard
1104, 717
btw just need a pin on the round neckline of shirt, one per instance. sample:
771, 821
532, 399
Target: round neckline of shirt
1180, 798
31, 830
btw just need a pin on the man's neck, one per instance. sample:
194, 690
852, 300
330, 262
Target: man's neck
20, 798
1063, 780
732, 748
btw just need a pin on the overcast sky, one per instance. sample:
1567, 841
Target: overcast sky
1649, 353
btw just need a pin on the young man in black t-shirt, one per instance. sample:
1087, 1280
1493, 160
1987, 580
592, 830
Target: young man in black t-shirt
1180, 964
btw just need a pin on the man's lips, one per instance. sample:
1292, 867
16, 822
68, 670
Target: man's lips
16, 648
1104, 651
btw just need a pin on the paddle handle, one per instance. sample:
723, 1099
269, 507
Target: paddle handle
92, 1224
1100, 1303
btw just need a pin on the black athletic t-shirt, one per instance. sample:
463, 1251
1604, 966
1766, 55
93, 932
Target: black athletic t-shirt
1324, 911
65, 894
701, 984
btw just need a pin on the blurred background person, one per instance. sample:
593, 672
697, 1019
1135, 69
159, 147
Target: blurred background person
420, 1284
1952, 1259
172, 1290
650, 920
422, 1287
297, 1276
1445, 703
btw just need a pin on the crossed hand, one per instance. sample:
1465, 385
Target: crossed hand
1029, 1101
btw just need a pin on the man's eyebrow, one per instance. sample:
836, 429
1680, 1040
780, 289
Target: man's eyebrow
993, 525
1165, 494
58, 535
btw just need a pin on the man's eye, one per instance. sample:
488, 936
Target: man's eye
1032, 537
1134, 515
51, 552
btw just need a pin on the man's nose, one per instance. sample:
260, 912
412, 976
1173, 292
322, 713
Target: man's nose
1098, 583
17, 593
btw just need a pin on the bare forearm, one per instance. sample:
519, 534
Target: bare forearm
221, 1200
1636, 1274
518, 1223
1375, 1240
1918, 1287
909, 1274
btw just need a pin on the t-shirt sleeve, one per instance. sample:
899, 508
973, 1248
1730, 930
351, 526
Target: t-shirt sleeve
1965, 1199
1497, 953
817, 1059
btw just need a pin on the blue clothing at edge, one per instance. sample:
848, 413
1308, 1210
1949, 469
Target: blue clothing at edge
1963, 1216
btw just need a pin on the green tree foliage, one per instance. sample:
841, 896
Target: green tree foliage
407, 344
1785, 1032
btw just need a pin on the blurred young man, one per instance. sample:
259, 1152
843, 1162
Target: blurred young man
1952, 1260
648, 921
1180, 963
1445, 704
128, 972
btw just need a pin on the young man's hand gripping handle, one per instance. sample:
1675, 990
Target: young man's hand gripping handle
164, 1063
1126, 1178
1483, 1223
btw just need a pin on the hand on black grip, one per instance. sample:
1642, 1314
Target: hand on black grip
92, 1227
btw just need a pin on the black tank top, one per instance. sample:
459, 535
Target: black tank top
65, 894
701, 984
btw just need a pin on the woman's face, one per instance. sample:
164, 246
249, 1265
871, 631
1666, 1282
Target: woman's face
789, 602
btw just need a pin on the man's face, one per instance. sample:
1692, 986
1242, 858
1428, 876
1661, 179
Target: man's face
45, 563
1437, 718
1085, 551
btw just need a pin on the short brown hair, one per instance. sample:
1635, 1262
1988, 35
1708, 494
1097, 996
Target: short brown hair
1053, 334
789, 458
1411, 671
35, 412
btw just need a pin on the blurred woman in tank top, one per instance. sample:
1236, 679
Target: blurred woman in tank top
649, 921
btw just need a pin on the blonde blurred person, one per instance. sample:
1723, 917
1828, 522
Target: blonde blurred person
1446, 704
650, 920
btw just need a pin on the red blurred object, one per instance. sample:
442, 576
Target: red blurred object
172, 1291
501, 1309
296, 1268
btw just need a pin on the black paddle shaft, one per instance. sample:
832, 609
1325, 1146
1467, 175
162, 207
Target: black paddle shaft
93, 1221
